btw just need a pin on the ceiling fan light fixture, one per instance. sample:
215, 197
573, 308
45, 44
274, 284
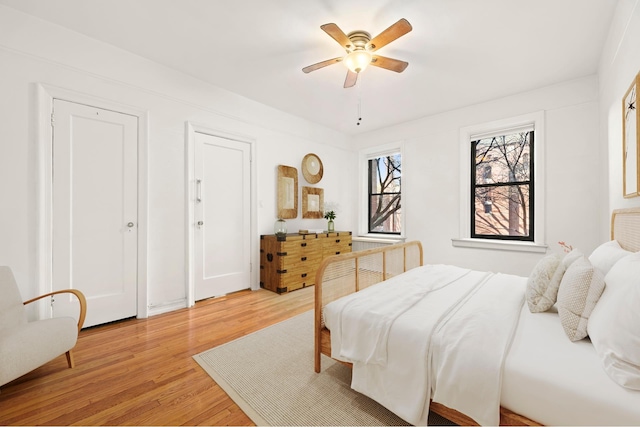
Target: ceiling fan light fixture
357, 60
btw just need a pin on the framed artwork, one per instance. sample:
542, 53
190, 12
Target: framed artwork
287, 192
631, 141
312, 168
312, 202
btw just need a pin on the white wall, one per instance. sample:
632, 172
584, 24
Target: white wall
583, 173
619, 63
33, 51
431, 174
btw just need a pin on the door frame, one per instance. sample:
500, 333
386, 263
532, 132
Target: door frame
43, 137
190, 130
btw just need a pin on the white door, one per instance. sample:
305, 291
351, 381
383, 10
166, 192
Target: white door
94, 212
222, 216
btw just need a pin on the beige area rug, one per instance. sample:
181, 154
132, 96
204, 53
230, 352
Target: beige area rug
270, 376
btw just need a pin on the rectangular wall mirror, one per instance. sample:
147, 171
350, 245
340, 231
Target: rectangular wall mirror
631, 141
312, 202
287, 192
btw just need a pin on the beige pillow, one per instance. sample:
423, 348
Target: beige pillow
542, 288
544, 281
580, 289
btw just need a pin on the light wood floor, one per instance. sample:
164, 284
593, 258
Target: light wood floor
140, 372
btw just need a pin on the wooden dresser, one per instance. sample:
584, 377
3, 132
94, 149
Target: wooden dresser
290, 262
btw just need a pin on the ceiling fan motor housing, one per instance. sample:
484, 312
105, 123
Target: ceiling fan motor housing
359, 40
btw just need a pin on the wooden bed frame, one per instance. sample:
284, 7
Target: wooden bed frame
344, 274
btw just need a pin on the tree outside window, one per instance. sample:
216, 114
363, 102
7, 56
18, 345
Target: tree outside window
385, 213
502, 187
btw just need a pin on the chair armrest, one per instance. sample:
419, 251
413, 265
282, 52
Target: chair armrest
77, 293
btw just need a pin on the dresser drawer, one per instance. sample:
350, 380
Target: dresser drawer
299, 246
287, 259
302, 260
335, 245
296, 279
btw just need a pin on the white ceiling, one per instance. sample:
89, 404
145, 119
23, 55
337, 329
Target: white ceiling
460, 52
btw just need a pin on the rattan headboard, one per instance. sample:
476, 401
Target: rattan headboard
625, 228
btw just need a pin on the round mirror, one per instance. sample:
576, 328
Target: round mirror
312, 168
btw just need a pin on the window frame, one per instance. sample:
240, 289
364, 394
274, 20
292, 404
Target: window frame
530, 183
501, 127
365, 155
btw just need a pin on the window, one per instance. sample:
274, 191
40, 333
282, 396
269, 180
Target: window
381, 191
502, 186
385, 208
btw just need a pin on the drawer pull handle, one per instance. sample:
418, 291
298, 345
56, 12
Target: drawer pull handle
304, 275
337, 240
303, 244
337, 253
304, 258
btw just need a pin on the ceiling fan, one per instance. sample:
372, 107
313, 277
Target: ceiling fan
360, 47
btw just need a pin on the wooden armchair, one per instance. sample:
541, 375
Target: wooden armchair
24, 345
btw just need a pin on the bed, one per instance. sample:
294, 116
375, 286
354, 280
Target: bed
544, 378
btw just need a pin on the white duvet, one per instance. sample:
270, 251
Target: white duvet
436, 332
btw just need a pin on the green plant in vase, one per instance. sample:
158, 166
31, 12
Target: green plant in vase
330, 215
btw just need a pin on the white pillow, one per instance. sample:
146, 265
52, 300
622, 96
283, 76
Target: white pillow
606, 255
571, 257
614, 325
580, 289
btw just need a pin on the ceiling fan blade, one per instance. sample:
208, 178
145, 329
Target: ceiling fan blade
322, 64
389, 63
395, 31
351, 79
337, 34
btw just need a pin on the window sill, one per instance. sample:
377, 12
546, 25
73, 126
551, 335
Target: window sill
377, 238
499, 245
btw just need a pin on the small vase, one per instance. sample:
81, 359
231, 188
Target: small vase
330, 226
280, 228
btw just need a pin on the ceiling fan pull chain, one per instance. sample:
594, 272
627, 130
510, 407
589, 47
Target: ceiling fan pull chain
359, 102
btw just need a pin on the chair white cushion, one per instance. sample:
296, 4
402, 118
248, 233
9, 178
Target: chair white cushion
24, 345
580, 289
34, 344
614, 325
12, 311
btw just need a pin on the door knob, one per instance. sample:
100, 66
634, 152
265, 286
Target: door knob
130, 225
200, 224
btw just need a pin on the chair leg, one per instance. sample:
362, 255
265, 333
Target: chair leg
70, 361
